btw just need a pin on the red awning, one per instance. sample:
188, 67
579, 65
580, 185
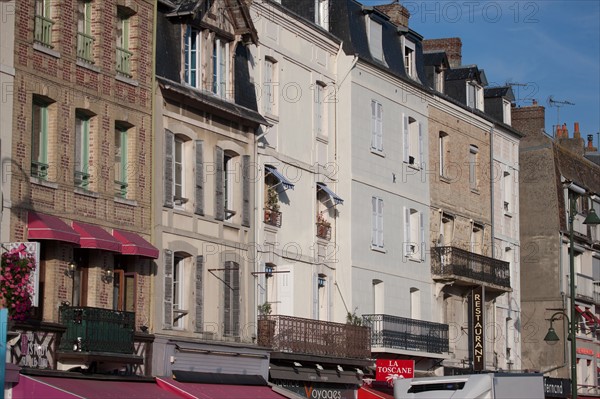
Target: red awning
133, 244
67, 388
95, 237
190, 390
365, 392
589, 317
46, 227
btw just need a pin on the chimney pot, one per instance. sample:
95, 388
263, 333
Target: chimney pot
576, 133
534, 102
565, 130
590, 138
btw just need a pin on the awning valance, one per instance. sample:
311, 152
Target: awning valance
96, 237
47, 227
133, 244
279, 176
217, 391
334, 197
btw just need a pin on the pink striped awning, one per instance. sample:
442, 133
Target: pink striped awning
46, 227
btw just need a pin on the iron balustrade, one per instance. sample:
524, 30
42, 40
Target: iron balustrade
39, 169
124, 61
97, 330
395, 332
85, 46
82, 179
42, 32
448, 261
313, 337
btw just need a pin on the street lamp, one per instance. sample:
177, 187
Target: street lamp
591, 219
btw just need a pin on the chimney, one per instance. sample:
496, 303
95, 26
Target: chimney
529, 120
452, 46
576, 134
565, 131
397, 13
590, 146
575, 144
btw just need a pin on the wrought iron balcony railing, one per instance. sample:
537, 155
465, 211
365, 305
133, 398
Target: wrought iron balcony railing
85, 48
124, 61
82, 179
273, 218
392, 332
121, 189
39, 169
313, 337
97, 330
42, 32
451, 261
324, 231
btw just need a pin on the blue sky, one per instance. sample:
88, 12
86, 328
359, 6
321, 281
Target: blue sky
551, 47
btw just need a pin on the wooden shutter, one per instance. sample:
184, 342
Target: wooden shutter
246, 190
169, 168
235, 302
373, 124
407, 250
421, 147
380, 222
405, 137
219, 184
168, 284
227, 313
199, 293
379, 127
422, 235
374, 221
199, 194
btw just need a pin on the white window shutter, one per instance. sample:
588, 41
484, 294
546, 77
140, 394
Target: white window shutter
373, 124
407, 251
379, 127
374, 221
423, 243
405, 136
380, 222
421, 145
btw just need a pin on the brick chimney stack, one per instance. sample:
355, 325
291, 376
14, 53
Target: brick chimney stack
575, 144
529, 120
590, 144
398, 14
452, 46
576, 134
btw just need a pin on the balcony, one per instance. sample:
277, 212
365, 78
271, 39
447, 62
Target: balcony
121, 189
39, 169
324, 231
42, 32
597, 292
97, 330
82, 179
392, 332
273, 218
124, 61
585, 287
84, 47
313, 337
469, 269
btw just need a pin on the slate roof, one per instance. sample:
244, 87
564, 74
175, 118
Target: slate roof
212, 102
502, 91
463, 73
435, 58
577, 169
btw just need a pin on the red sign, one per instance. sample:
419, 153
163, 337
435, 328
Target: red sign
389, 370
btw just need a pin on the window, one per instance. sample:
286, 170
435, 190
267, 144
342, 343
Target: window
269, 87
474, 95
220, 67
82, 145
377, 223
409, 57
192, 46
179, 178
39, 138
477, 239
506, 106
414, 234
595, 230
43, 24
229, 178
319, 109
80, 277
413, 142
378, 297
375, 42
123, 53
443, 144
320, 299
124, 285
85, 40
376, 126
473, 162
179, 278
120, 161
231, 300
322, 13
415, 303
447, 230
438, 82
507, 192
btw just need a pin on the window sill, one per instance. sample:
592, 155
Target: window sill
378, 249
43, 182
445, 179
413, 259
323, 138
475, 191
378, 152
85, 192
126, 201
412, 166
46, 50
125, 79
87, 65
508, 214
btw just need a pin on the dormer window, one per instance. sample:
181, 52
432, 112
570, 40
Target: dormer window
375, 42
322, 13
474, 95
438, 80
506, 110
408, 49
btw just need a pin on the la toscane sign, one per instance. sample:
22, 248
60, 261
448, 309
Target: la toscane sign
388, 369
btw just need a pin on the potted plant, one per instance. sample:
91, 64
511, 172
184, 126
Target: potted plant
272, 204
266, 326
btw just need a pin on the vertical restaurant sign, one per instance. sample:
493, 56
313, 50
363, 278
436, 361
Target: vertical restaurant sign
388, 369
478, 323
33, 248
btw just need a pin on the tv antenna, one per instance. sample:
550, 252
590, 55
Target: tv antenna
555, 103
517, 95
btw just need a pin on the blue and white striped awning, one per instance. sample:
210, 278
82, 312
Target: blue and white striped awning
277, 174
335, 198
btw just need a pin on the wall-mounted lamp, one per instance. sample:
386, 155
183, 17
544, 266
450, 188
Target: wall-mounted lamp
321, 282
268, 271
71, 267
107, 276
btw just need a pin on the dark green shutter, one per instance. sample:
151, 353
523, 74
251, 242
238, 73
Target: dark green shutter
168, 283
246, 190
199, 293
199, 209
169, 168
219, 184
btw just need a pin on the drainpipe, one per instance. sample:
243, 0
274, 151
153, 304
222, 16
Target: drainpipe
153, 204
492, 189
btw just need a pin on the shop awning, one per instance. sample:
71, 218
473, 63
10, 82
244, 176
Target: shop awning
281, 178
587, 315
191, 390
67, 388
334, 197
95, 237
133, 244
46, 227
366, 392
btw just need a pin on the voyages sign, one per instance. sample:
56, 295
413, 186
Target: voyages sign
478, 323
388, 370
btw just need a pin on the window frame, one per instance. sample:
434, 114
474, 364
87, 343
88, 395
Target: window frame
377, 232
121, 165
375, 37
179, 291
82, 140
443, 139
220, 67
39, 152
123, 54
413, 141
85, 40
409, 59
414, 225
179, 143
473, 162
42, 31
193, 54
376, 126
